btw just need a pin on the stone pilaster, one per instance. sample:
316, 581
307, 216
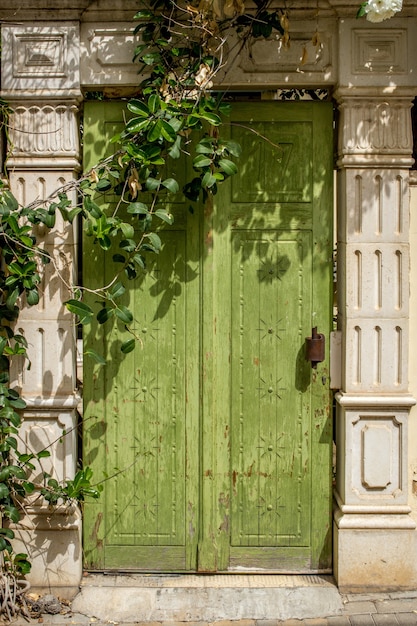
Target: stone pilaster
374, 535
40, 80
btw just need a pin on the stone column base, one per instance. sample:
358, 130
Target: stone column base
377, 556
52, 539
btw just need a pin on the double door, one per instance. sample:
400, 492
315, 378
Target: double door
213, 436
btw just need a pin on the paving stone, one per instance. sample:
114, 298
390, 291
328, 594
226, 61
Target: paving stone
360, 608
403, 595
397, 606
362, 620
363, 597
316, 621
338, 620
229, 622
407, 619
385, 620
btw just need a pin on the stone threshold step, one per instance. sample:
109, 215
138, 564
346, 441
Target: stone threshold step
207, 598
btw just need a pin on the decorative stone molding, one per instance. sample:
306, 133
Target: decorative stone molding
107, 51
375, 131
49, 129
52, 425
372, 449
106, 55
266, 63
377, 54
44, 57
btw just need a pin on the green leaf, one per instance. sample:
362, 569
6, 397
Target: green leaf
127, 230
104, 314
10, 200
204, 148
139, 260
103, 185
155, 241
128, 346
155, 132
144, 14
154, 103
18, 403
153, 183
164, 216
119, 258
212, 118
233, 147
117, 290
138, 108
11, 299
32, 297
95, 356
12, 513
21, 563
82, 310
3, 342
138, 208
4, 491
174, 151
167, 131
208, 180
361, 11
228, 167
4, 544
171, 184
27, 241
128, 244
137, 125
124, 314
201, 161
43, 454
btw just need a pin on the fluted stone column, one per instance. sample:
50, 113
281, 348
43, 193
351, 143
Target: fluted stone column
40, 72
374, 535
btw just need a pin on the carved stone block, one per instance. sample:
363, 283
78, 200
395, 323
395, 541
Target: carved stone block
44, 57
51, 350
376, 202
45, 129
376, 355
377, 55
106, 55
371, 444
377, 280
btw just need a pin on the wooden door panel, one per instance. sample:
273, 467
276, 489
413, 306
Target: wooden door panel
270, 424
272, 230
137, 420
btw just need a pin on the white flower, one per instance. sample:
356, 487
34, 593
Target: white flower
380, 10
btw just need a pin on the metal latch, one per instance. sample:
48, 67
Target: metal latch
315, 347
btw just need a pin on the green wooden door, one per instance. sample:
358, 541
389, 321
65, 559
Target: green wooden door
217, 428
